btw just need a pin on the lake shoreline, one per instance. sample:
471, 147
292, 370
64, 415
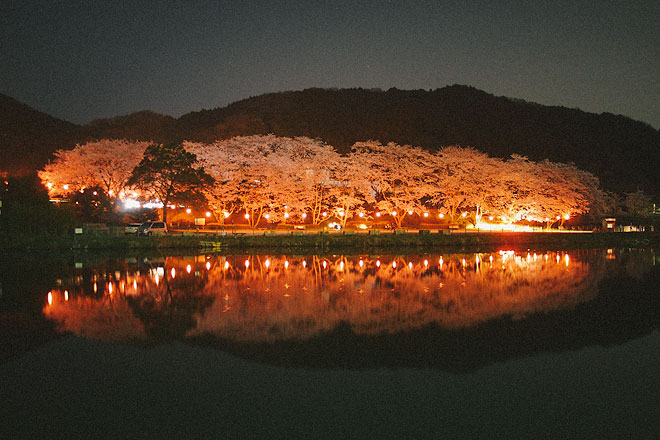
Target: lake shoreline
328, 242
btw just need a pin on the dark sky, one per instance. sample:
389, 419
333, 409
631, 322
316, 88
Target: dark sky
80, 60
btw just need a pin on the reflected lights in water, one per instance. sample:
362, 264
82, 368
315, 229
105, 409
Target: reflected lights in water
269, 298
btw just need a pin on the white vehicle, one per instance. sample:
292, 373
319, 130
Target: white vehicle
150, 228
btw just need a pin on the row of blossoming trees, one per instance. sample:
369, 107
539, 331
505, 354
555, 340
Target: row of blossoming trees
278, 178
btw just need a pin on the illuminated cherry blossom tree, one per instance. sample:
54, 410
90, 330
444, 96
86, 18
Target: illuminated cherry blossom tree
107, 163
392, 177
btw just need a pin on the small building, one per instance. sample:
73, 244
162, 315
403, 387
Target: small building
609, 224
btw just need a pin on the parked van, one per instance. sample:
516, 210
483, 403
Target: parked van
149, 228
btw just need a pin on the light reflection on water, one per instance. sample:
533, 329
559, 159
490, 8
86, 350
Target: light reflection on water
268, 298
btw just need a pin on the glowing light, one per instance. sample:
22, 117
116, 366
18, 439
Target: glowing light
491, 218
362, 226
49, 185
286, 264
426, 214
95, 288
247, 216
325, 214
393, 264
110, 288
208, 265
208, 214
394, 213
341, 213
188, 211
65, 187
247, 263
226, 266
377, 263
95, 193
226, 214
286, 215
304, 263
135, 284
361, 214
490, 258
266, 216
426, 263
410, 212
361, 263
547, 219
378, 214
558, 218
463, 262
304, 215
325, 264
188, 268
567, 259
267, 263
441, 215
567, 216
173, 273
160, 271
440, 262
464, 215
66, 295
410, 265
341, 266
131, 204
50, 298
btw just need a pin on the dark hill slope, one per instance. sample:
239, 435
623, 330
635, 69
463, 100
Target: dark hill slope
623, 152
28, 137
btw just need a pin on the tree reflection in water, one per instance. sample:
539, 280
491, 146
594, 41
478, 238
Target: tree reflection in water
260, 298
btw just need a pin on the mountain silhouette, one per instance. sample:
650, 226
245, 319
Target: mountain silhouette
623, 153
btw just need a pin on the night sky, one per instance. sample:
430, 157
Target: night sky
81, 60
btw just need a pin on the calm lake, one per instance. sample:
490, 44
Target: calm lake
500, 344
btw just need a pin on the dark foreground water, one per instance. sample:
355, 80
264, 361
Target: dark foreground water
506, 344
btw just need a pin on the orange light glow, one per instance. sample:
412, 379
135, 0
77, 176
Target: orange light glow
304, 215
247, 263
188, 268
286, 215
208, 265
208, 214
426, 214
188, 211
361, 263
286, 264
377, 263
226, 266
441, 215
361, 215
173, 273
464, 215
50, 298
267, 263
378, 214
66, 295
247, 216
226, 214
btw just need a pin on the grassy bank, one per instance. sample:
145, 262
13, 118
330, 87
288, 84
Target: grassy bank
335, 241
